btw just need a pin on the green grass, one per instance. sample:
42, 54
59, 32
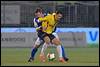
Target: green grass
77, 57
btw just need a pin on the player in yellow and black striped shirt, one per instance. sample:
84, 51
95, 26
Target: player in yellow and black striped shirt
48, 25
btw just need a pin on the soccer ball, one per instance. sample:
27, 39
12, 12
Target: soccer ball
50, 56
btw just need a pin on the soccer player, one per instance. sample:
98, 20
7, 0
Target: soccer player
48, 25
39, 42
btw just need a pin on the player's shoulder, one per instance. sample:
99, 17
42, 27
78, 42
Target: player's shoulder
46, 14
50, 15
53, 13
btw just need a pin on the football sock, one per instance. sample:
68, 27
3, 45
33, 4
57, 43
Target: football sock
44, 48
63, 51
34, 50
59, 49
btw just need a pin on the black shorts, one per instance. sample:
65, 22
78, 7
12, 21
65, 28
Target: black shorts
41, 35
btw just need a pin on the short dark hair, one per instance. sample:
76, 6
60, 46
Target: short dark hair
38, 10
59, 12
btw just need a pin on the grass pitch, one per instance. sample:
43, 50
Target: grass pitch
77, 57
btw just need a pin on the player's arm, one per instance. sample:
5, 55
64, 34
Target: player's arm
44, 25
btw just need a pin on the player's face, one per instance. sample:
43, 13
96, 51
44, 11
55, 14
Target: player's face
58, 17
38, 14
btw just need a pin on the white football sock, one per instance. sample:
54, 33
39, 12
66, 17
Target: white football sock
44, 47
59, 51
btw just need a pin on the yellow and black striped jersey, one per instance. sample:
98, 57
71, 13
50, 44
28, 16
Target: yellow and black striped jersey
49, 23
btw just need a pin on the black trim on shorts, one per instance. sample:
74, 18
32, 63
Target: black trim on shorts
42, 34
51, 36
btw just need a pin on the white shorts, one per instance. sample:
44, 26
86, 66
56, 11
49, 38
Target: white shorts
38, 41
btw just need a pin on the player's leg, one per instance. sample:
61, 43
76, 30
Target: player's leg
47, 43
35, 49
60, 52
46, 39
44, 47
57, 42
42, 54
63, 51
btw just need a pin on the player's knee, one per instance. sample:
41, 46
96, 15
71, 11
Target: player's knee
36, 46
47, 40
56, 42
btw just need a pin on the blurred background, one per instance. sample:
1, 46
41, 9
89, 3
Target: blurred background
78, 16
76, 13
